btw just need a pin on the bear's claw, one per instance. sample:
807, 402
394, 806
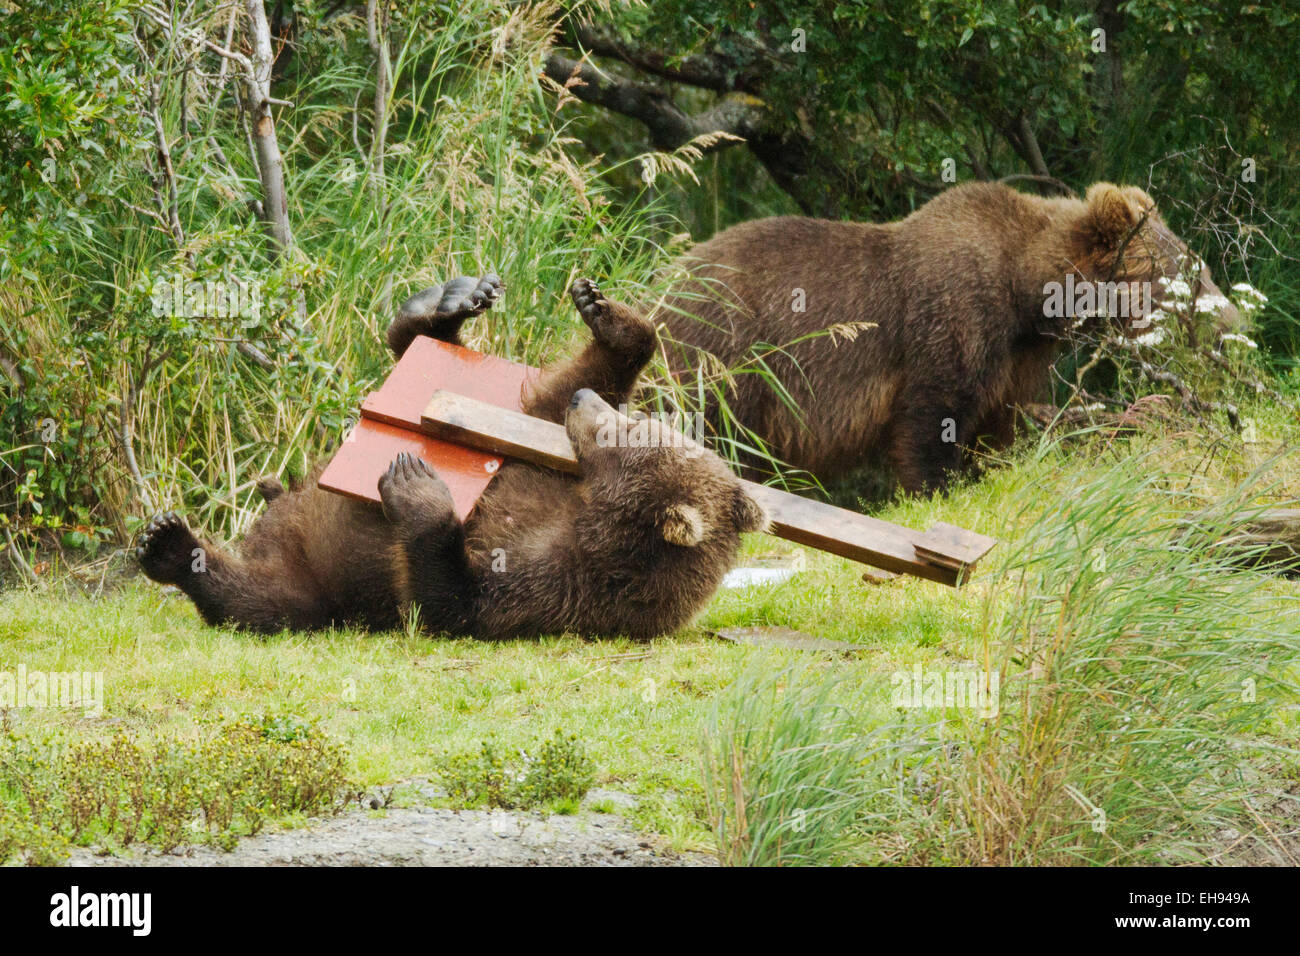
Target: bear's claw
165, 547
413, 496
589, 300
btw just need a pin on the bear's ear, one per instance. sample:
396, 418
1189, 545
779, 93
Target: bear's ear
750, 515
1141, 199
1112, 214
682, 525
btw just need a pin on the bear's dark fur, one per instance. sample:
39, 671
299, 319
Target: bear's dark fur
954, 296
635, 545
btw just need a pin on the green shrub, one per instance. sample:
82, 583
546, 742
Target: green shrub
166, 791
558, 776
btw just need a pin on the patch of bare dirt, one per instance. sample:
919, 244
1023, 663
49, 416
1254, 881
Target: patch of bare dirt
427, 836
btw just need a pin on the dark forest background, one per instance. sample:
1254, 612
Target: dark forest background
210, 208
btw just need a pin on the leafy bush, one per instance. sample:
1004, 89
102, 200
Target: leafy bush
166, 791
66, 89
559, 775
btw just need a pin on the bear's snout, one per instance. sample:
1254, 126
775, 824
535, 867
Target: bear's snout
587, 417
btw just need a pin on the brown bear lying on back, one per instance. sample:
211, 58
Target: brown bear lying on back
634, 545
956, 297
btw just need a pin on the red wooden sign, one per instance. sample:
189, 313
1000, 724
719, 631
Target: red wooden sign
391, 415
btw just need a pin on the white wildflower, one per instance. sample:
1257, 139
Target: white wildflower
1237, 337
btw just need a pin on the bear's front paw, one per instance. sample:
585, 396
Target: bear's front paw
166, 548
455, 300
619, 328
414, 497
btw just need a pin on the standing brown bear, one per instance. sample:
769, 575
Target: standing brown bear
634, 545
953, 314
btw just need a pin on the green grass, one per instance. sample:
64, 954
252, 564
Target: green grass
402, 702
782, 768
415, 698
481, 173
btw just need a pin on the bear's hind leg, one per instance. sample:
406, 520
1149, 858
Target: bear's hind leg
270, 593
431, 564
439, 311
623, 340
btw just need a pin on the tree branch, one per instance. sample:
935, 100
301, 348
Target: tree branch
270, 161
171, 206
706, 71
377, 27
1032, 154
257, 79
377, 36
669, 126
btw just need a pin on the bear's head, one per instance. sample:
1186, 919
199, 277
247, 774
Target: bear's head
656, 499
1137, 268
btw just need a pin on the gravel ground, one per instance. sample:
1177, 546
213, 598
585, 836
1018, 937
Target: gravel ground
427, 836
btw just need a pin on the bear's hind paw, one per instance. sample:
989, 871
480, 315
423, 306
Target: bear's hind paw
166, 548
458, 298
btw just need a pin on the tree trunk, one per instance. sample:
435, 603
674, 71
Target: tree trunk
270, 162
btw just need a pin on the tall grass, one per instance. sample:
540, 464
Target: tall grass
1137, 673
1141, 678
781, 761
476, 178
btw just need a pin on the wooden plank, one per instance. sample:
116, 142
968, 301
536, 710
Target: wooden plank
805, 521
429, 365
457, 418
850, 535
952, 546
